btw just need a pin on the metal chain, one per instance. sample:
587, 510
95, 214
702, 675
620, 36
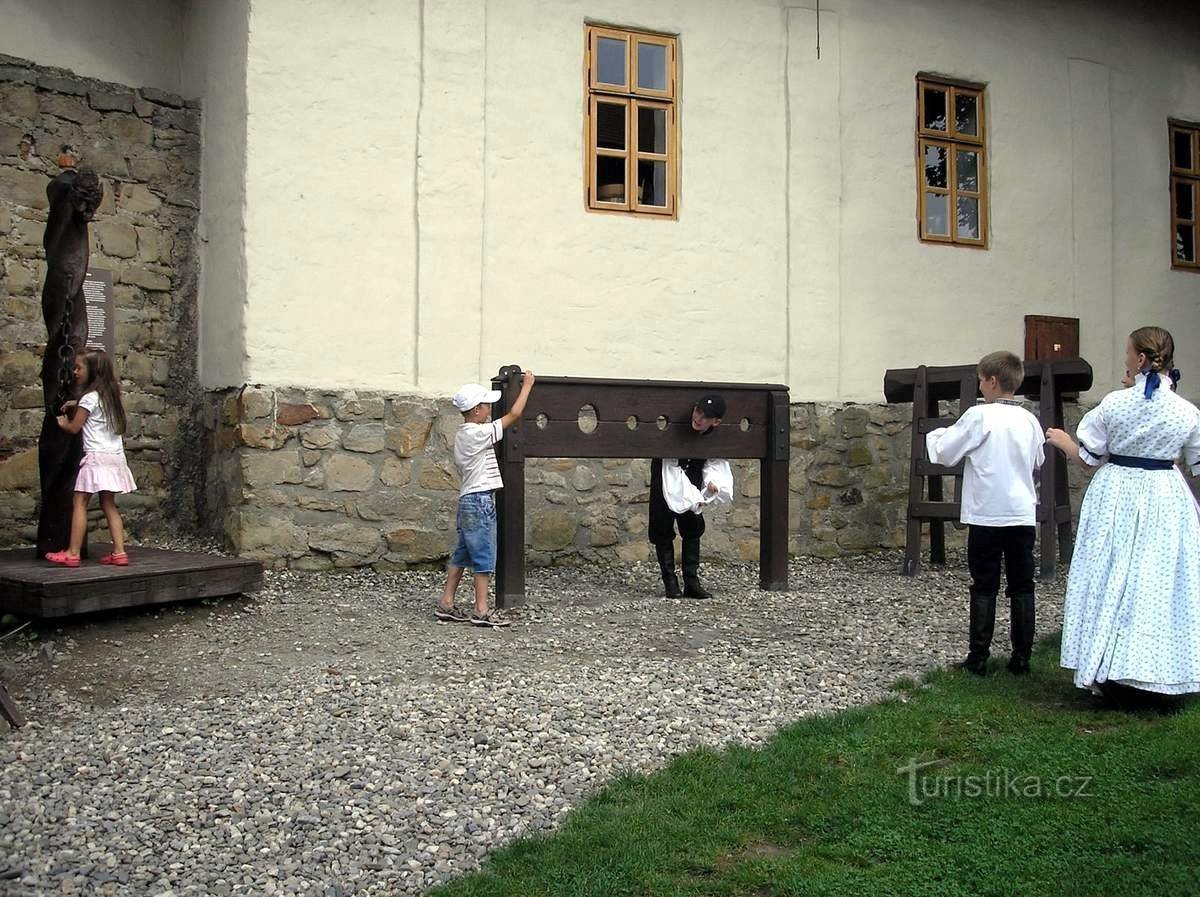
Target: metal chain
66, 355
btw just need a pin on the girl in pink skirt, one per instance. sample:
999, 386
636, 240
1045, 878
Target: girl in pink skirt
101, 416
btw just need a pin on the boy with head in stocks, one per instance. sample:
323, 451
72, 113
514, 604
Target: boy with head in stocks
1001, 445
680, 489
476, 519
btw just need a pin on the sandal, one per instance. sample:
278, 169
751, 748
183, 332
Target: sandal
452, 614
495, 620
115, 559
62, 559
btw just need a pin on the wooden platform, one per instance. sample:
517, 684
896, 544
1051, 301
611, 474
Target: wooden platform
34, 588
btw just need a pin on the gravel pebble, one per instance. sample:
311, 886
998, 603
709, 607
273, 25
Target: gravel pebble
327, 737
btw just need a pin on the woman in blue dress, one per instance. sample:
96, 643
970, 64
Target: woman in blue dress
1132, 613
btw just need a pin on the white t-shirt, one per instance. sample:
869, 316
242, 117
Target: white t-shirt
1003, 445
475, 458
98, 436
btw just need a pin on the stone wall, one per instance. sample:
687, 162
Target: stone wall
311, 480
145, 146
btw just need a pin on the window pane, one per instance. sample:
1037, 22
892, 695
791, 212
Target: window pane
610, 179
935, 165
935, 109
652, 130
966, 114
1185, 242
652, 66
610, 60
1184, 206
937, 214
610, 126
967, 171
1183, 149
652, 183
968, 217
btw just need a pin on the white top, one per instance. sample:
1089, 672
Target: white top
1127, 423
98, 436
682, 496
1003, 445
475, 458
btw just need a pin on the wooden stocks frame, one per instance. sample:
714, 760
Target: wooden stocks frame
925, 387
640, 419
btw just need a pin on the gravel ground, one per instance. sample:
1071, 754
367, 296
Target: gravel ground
327, 737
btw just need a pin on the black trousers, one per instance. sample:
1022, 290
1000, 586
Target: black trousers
990, 546
662, 519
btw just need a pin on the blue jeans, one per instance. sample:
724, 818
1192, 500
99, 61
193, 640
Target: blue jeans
476, 525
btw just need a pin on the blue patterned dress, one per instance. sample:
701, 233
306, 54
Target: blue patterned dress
1132, 611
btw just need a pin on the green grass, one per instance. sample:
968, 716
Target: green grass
821, 810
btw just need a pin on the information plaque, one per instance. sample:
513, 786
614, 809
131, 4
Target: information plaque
101, 314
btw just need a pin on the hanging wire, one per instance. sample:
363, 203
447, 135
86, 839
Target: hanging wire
818, 29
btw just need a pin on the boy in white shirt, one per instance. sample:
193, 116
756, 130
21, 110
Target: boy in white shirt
1003, 444
476, 518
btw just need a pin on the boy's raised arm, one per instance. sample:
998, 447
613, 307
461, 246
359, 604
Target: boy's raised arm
518, 406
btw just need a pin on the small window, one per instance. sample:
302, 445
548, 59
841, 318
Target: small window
1185, 195
951, 163
630, 131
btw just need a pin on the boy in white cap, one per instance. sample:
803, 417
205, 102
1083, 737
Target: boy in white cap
476, 519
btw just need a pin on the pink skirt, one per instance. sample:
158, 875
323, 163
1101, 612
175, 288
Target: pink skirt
104, 472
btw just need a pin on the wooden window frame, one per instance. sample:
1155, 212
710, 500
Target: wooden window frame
954, 142
632, 98
1185, 177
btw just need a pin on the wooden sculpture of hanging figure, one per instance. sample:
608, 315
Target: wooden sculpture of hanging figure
74, 197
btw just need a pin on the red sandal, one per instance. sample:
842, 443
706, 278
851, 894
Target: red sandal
116, 560
62, 559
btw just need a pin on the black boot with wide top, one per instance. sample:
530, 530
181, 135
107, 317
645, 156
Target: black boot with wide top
1022, 634
692, 587
983, 620
666, 563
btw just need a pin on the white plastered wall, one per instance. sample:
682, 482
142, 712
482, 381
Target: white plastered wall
331, 260
131, 42
1078, 99
414, 200
214, 69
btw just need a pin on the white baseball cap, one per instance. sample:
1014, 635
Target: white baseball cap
473, 394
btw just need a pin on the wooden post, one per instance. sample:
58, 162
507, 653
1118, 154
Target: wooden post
773, 498
912, 540
510, 501
9, 709
1062, 490
1047, 488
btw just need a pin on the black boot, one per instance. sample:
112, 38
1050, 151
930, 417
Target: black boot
983, 619
1022, 634
692, 586
666, 563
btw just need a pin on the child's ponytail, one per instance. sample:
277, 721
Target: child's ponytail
1158, 346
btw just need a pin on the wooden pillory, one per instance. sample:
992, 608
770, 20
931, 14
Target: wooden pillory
925, 387
640, 419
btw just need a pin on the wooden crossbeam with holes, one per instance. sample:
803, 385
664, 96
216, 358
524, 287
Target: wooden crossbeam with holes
639, 419
926, 387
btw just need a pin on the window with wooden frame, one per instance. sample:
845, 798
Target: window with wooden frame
1185, 195
630, 131
952, 195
